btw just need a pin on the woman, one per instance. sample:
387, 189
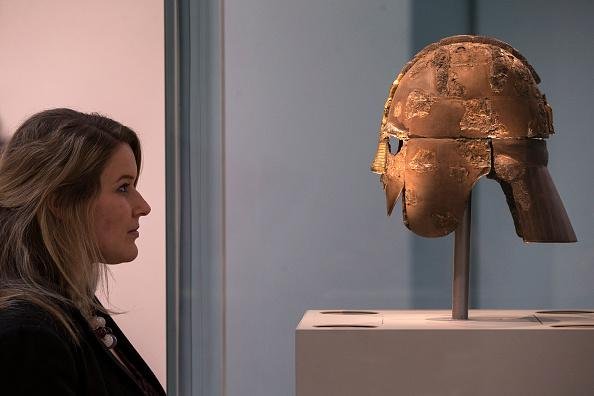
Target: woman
68, 208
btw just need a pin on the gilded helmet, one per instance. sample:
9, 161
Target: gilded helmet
462, 108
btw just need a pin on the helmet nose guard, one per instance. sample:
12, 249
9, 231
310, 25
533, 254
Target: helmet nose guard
463, 108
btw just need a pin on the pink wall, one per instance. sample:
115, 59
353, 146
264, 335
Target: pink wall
104, 56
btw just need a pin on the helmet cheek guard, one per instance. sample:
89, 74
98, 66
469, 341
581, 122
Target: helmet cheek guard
463, 108
439, 176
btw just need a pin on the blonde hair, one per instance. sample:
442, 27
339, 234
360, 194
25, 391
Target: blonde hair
49, 177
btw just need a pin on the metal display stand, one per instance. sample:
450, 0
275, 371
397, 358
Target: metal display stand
462, 265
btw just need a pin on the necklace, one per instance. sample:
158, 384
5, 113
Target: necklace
102, 332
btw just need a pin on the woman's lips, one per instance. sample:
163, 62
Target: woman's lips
134, 233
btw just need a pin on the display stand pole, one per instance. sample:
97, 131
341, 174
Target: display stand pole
461, 265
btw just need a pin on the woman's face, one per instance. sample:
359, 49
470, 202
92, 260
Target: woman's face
118, 208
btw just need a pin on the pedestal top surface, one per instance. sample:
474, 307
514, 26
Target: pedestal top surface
442, 320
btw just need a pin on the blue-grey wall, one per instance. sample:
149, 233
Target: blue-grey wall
305, 82
306, 225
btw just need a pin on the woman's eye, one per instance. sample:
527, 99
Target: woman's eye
123, 188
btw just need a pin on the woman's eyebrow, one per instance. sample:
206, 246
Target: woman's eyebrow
124, 177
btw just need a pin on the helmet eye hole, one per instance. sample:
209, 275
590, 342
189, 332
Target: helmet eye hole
395, 145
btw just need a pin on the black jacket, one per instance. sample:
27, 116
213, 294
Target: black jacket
38, 358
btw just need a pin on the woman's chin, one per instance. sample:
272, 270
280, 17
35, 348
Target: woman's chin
121, 257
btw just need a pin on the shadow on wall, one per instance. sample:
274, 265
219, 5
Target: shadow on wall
431, 262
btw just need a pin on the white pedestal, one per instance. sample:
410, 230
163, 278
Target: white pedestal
426, 353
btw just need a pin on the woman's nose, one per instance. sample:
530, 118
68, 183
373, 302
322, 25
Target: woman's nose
143, 208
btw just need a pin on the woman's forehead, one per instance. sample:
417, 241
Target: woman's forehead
121, 164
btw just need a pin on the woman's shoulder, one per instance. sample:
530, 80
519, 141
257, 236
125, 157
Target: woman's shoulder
19, 315
30, 332
31, 342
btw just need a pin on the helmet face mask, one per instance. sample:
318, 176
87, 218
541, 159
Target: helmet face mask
463, 108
